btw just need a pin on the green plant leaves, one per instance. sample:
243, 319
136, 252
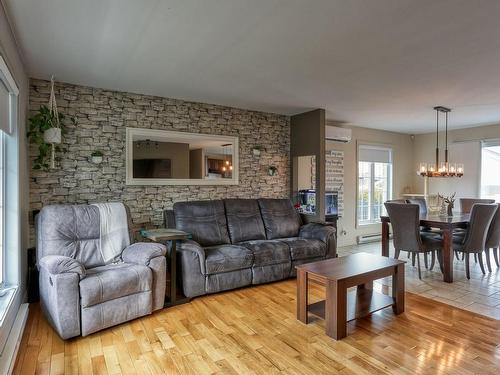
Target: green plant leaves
41, 121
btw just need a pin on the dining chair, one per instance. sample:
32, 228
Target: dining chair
467, 203
405, 222
422, 205
474, 241
493, 239
425, 231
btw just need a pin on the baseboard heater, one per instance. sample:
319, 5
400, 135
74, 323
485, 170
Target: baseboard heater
370, 238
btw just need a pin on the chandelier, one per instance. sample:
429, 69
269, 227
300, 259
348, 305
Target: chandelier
227, 165
441, 169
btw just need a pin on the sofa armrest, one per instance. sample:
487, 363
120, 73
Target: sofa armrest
58, 264
59, 282
194, 250
192, 262
143, 252
323, 232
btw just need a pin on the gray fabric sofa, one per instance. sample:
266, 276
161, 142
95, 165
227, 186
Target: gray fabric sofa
239, 242
79, 293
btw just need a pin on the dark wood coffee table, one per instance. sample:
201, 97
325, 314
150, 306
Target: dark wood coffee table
339, 274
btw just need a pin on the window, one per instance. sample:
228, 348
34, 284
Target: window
9, 204
374, 182
2, 206
490, 165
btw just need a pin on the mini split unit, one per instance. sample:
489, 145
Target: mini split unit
334, 133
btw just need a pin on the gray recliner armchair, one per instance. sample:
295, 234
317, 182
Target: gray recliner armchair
80, 293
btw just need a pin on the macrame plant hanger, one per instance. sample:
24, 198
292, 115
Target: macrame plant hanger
53, 134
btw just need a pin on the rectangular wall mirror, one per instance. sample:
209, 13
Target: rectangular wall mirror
162, 157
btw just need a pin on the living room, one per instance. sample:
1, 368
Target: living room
160, 166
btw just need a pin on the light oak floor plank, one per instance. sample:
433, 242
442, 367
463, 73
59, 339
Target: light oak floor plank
254, 331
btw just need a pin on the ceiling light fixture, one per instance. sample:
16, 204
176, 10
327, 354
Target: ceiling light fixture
441, 169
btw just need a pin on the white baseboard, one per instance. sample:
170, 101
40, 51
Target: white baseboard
8, 358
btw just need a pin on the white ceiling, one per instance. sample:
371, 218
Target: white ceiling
381, 64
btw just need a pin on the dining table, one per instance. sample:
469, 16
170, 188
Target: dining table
446, 224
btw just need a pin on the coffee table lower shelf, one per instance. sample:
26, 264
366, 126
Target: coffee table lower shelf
360, 302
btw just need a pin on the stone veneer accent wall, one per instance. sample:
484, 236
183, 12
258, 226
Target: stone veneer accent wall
103, 115
334, 179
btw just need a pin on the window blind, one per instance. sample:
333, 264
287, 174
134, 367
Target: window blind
375, 154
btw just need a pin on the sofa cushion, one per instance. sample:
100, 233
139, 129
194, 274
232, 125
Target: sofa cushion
270, 273
301, 248
280, 218
113, 281
228, 280
110, 313
204, 220
243, 220
225, 258
267, 252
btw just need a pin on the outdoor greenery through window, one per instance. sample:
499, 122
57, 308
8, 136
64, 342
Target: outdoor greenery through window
490, 165
374, 182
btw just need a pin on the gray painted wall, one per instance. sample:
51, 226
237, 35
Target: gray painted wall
10, 53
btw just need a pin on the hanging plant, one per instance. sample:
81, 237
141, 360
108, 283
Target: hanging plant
257, 149
44, 133
272, 170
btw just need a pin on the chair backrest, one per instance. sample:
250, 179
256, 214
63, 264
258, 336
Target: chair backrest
72, 231
405, 222
493, 237
422, 204
400, 201
280, 218
481, 216
204, 220
467, 203
244, 221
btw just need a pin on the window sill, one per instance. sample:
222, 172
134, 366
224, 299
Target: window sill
364, 225
7, 294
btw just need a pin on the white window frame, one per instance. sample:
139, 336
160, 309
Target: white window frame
485, 143
11, 231
390, 177
2, 208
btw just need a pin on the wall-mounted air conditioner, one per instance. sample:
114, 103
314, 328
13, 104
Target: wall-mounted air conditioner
334, 133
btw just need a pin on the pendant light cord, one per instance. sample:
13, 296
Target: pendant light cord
437, 139
446, 140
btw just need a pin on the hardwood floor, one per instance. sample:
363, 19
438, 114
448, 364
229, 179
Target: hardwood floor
254, 330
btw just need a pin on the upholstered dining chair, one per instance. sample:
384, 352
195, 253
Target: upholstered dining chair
422, 205
399, 201
425, 231
474, 241
405, 222
467, 203
493, 239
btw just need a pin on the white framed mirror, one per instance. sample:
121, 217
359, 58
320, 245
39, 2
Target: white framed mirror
164, 157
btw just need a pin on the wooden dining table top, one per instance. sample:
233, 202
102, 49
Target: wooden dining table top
435, 220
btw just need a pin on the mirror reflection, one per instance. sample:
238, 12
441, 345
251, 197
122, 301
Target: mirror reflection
171, 156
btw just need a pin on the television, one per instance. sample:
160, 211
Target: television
152, 168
